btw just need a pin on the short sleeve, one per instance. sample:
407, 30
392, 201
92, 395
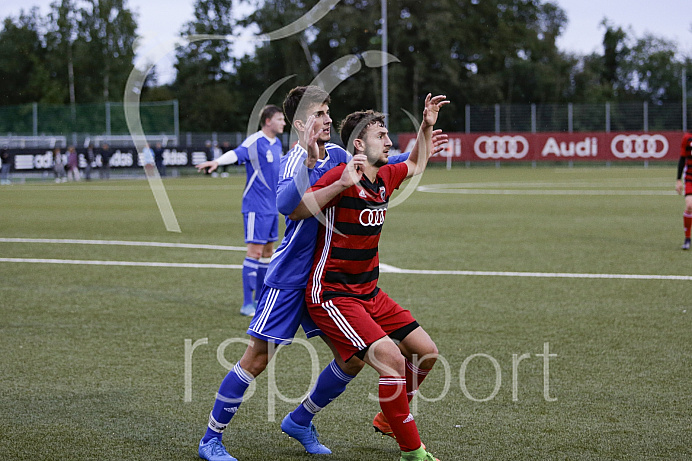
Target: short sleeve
393, 176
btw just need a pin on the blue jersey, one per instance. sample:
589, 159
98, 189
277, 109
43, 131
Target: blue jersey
291, 263
261, 156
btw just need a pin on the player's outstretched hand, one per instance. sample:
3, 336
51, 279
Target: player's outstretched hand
433, 104
311, 136
678, 187
207, 167
354, 171
439, 140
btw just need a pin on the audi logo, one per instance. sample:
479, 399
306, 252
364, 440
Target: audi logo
639, 146
372, 217
501, 147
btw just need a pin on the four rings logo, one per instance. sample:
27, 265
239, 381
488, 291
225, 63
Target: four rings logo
372, 217
501, 147
639, 146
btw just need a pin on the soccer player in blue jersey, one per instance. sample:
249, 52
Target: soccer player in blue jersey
281, 308
261, 154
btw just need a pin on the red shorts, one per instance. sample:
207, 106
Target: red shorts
354, 324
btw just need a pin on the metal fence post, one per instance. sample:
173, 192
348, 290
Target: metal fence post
607, 117
645, 108
570, 118
533, 118
176, 121
497, 118
35, 118
467, 114
108, 118
684, 99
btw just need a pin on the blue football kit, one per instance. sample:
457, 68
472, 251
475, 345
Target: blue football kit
261, 156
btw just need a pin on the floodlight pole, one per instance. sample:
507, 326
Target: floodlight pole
385, 72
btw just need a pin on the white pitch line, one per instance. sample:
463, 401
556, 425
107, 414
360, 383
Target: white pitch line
436, 190
121, 263
385, 268
124, 243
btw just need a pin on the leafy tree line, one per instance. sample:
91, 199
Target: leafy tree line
476, 52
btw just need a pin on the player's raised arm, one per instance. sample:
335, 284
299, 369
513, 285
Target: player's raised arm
329, 187
423, 148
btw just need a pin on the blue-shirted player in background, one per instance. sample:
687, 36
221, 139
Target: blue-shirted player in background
261, 154
281, 308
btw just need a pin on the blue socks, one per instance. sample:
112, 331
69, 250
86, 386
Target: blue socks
250, 268
330, 384
228, 399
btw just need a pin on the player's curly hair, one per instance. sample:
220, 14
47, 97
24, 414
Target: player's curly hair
299, 98
358, 122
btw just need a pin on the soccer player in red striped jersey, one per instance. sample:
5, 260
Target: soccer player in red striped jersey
685, 167
343, 299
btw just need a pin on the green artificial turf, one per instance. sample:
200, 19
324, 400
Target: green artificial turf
93, 358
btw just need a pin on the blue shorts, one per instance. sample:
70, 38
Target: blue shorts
261, 228
279, 313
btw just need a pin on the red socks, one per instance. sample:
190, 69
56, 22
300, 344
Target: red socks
687, 219
394, 404
414, 377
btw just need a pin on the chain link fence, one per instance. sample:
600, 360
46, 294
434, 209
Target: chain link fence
42, 125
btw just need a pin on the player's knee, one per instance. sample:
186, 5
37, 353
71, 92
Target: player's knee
688, 208
267, 251
256, 364
352, 367
428, 356
254, 253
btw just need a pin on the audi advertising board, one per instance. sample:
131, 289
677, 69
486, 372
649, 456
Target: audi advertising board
663, 145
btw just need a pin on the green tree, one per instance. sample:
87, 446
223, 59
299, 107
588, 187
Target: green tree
23, 72
202, 83
105, 54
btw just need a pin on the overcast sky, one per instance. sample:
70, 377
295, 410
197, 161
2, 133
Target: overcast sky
161, 20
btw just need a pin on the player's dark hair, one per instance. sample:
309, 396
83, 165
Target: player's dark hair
268, 112
300, 97
357, 123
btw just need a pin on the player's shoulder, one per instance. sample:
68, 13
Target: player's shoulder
336, 150
296, 152
253, 138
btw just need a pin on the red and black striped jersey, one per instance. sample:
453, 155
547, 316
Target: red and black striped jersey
686, 153
346, 261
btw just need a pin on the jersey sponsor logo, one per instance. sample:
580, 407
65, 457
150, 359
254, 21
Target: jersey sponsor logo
372, 217
501, 147
639, 146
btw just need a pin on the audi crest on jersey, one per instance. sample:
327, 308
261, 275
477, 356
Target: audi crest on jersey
372, 217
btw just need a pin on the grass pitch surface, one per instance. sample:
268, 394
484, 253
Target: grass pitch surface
540, 360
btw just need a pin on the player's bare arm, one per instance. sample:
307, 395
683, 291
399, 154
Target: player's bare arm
314, 201
423, 148
211, 165
207, 167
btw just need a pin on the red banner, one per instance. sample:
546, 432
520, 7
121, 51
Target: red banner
652, 146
